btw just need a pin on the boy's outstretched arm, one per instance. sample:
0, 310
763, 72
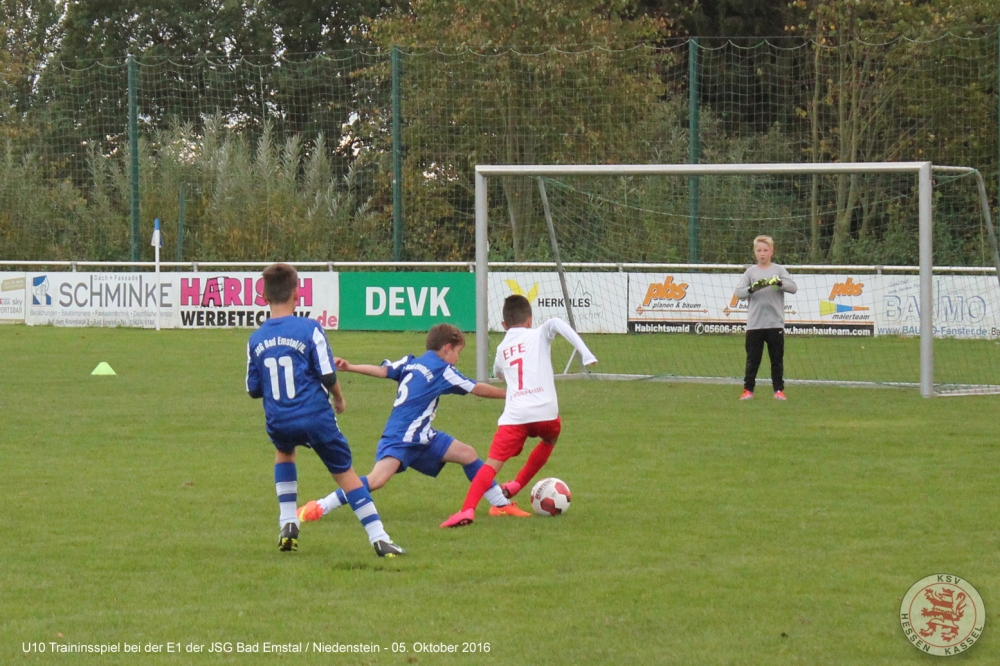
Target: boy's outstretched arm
562, 328
338, 399
370, 370
487, 391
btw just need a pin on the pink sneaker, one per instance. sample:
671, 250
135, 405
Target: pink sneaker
747, 395
779, 395
510, 489
460, 519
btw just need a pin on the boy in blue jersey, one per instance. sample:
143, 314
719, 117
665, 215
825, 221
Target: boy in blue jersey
408, 439
290, 366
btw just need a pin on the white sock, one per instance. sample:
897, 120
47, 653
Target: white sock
495, 496
334, 500
376, 532
287, 508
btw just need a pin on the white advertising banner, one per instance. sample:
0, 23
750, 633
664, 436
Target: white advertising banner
96, 299
696, 303
12, 294
236, 300
186, 300
684, 303
706, 303
965, 306
599, 300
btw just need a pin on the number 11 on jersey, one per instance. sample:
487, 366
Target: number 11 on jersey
286, 363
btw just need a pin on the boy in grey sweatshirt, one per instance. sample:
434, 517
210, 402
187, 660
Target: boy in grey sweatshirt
765, 285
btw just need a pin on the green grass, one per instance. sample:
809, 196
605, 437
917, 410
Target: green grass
882, 359
703, 530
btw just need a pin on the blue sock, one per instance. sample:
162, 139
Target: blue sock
338, 498
364, 508
472, 468
286, 484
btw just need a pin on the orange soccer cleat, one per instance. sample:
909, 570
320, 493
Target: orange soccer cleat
509, 510
747, 395
310, 511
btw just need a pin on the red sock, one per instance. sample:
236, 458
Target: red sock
480, 484
539, 456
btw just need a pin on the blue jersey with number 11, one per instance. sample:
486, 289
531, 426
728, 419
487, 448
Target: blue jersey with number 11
421, 382
288, 364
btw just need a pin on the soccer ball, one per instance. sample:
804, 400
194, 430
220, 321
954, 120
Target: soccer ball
550, 497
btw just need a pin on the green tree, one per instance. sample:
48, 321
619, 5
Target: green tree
29, 31
100, 29
727, 19
314, 26
479, 89
882, 90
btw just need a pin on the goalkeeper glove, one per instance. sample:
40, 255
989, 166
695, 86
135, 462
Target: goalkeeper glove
775, 282
758, 285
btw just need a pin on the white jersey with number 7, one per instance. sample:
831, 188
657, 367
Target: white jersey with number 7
524, 359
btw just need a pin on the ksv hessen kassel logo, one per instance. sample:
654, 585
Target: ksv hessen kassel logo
942, 615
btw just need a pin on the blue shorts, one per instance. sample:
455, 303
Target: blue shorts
425, 458
319, 433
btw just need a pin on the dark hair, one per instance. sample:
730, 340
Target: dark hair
280, 280
516, 310
444, 334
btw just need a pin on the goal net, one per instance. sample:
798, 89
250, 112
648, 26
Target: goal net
895, 265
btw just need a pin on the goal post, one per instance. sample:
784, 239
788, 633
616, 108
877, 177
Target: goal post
919, 174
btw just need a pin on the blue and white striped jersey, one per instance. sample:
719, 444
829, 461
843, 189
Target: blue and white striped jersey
422, 381
288, 362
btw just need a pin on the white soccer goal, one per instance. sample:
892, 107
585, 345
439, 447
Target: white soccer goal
643, 259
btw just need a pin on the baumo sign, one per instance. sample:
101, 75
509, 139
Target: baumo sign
406, 301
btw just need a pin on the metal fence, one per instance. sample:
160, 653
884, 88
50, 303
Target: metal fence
369, 155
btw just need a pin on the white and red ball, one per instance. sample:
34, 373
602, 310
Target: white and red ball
550, 497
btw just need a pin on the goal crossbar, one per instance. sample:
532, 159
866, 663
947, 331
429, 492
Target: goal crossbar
922, 171
488, 170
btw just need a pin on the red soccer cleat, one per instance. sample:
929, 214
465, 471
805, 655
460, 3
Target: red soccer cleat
510, 489
779, 395
747, 395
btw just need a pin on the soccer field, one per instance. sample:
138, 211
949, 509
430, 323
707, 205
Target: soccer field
703, 530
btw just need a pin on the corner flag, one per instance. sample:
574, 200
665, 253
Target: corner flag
157, 243
157, 239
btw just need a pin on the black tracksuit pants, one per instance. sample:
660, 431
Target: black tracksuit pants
775, 339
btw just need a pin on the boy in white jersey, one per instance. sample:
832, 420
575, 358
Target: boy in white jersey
524, 360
